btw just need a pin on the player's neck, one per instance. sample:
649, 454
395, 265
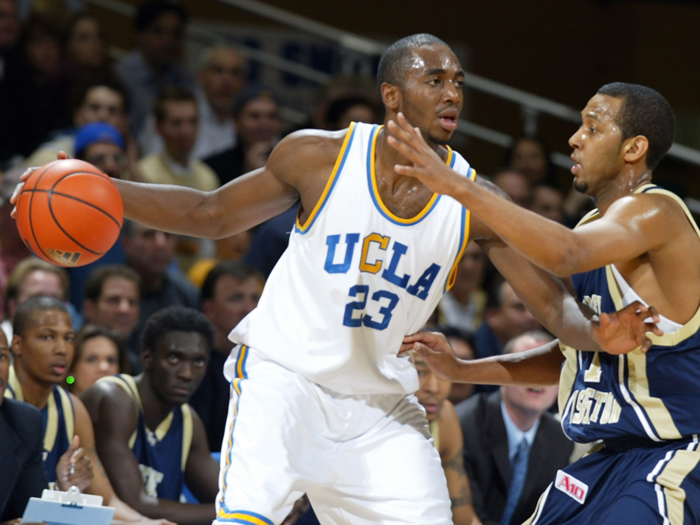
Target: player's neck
626, 183
155, 410
385, 159
35, 392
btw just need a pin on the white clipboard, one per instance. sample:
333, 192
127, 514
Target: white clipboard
68, 508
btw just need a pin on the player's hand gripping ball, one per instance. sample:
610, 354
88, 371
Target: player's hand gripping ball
69, 213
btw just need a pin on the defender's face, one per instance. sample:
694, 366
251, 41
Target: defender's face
432, 94
177, 367
597, 145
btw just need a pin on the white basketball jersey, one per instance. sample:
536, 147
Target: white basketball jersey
356, 279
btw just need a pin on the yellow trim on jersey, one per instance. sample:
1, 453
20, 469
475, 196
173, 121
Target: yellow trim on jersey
242, 356
672, 477
242, 517
13, 382
378, 197
465, 240
331, 180
434, 429
186, 433
567, 377
51, 431
68, 413
655, 408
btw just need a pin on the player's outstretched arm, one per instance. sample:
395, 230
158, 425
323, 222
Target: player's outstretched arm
537, 367
628, 229
109, 405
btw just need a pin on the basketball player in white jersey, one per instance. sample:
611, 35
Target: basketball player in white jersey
320, 401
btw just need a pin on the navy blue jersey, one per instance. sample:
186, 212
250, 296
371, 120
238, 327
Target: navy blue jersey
59, 423
161, 453
651, 396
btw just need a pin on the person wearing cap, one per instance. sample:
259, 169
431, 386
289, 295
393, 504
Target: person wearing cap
102, 145
177, 123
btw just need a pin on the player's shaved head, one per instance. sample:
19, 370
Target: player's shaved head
395, 61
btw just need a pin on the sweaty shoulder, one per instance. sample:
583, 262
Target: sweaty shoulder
305, 155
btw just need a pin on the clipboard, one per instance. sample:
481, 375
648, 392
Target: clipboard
68, 508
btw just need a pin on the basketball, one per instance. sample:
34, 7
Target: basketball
69, 213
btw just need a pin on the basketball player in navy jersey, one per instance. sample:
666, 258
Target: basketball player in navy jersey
149, 439
43, 348
321, 403
641, 244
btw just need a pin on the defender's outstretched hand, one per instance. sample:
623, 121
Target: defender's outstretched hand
436, 350
427, 167
625, 330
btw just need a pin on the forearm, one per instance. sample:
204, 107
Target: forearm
538, 367
173, 209
180, 513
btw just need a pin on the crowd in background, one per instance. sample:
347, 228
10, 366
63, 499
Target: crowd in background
146, 118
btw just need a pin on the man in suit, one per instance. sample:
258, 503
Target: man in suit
512, 446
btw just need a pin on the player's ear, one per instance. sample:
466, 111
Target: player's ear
16, 345
635, 149
391, 96
146, 358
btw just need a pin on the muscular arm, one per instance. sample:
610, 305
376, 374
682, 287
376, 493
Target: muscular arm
112, 411
452, 456
201, 471
298, 167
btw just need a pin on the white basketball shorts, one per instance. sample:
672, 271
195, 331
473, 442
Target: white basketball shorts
362, 459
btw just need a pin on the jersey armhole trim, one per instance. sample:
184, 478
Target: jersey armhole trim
332, 180
464, 234
186, 434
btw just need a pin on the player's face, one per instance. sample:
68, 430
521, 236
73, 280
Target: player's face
233, 300
4, 364
432, 92
432, 391
99, 358
45, 351
597, 145
178, 365
118, 305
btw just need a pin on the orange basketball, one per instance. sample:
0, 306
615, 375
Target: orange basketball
69, 213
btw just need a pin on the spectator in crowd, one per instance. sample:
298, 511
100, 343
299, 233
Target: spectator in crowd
230, 292
516, 185
462, 344
9, 30
353, 108
512, 446
342, 86
101, 99
221, 77
177, 123
447, 437
150, 252
30, 94
85, 46
548, 202
103, 146
256, 114
99, 352
30, 278
170, 444
43, 349
531, 156
506, 317
155, 63
112, 299
463, 305
232, 248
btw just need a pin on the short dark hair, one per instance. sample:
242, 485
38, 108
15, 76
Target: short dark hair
152, 10
96, 281
646, 112
171, 93
106, 80
394, 62
40, 303
237, 269
90, 331
175, 319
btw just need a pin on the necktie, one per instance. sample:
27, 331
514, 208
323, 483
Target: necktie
517, 481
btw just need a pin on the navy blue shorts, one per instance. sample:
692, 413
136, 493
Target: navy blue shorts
657, 485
